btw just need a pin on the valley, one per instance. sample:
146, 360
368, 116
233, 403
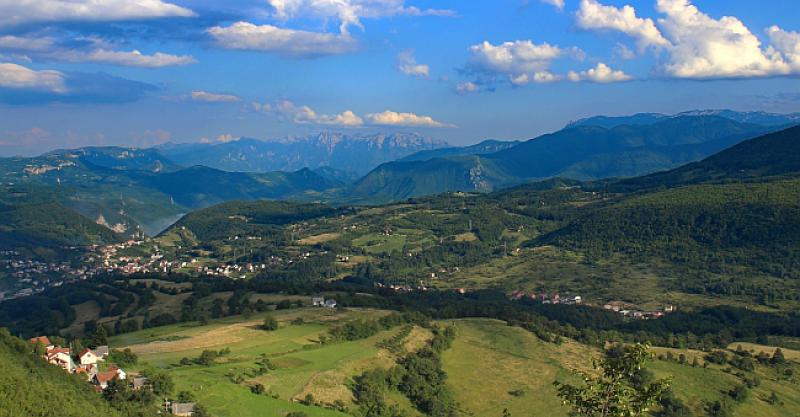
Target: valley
537, 278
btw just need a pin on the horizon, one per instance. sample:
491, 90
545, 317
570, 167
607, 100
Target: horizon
182, 71
363, 134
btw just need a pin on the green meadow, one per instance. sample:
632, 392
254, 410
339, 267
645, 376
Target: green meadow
490, 367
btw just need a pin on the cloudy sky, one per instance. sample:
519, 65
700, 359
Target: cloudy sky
144, 72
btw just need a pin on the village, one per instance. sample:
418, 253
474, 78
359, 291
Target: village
92, 364
627, 310
34, 276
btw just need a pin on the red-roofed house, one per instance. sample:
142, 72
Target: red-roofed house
43, 340
61, 357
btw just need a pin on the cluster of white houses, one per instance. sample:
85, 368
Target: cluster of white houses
88, 362
631, 311
546, 298
88, 365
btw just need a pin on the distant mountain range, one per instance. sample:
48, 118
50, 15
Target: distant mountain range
353, 153
755, 117
582, 152
127, 190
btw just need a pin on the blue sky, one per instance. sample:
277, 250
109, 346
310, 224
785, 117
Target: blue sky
143, 72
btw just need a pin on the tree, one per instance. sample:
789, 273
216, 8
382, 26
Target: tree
100, 337
185, 397
719, 409
738, 393
612, 393
269, 324
671, 406
161, 382
777, 357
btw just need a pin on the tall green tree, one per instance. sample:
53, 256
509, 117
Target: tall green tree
612, 391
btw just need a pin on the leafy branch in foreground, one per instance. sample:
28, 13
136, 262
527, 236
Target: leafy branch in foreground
613, 392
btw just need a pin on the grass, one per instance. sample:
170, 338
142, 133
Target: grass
493, 367
490, 367
320, 238
790, 354
379, 243
304, 366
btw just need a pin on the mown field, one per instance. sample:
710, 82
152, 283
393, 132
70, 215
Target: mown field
490, 367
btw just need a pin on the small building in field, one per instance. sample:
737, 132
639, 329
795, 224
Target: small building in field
318, 301
182, 409
140, 383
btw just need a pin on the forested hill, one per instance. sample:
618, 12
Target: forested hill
738, 207
29, 386
253, 218
774, 154
579, 152
46, 230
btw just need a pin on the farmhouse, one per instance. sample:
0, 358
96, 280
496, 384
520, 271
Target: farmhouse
88, 357
61, 357
101, 379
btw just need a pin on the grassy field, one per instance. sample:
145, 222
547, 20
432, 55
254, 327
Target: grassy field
303, 365
490, 367
493, 367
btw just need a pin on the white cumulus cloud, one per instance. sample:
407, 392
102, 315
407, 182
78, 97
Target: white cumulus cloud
407, 64
595, 16
704, 47
696, 45
391, 118
13, 12
521, 61
786, 43
348, 12
97, 51
302, 114
602, 73
134, 58
288, 42
19, 77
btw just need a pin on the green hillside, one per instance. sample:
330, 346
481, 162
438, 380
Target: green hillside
46, 230
30, 387
131, 189
247, 218
770, 155
753, 224
490, 365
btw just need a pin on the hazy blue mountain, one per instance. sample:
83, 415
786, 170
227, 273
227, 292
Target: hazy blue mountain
755, 117
580, 152
112, 192
337, 175
119, 158
355, 153
485, 147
